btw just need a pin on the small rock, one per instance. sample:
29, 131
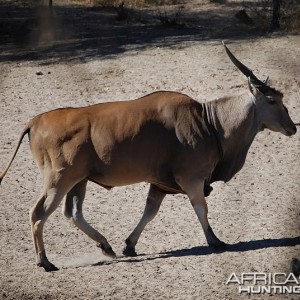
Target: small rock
39, 73
296, 266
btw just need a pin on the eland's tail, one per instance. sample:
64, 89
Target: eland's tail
25, 131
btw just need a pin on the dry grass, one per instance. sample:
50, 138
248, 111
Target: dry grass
137, 3
128, 3
290, 19
261, 12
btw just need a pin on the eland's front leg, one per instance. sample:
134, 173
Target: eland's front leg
154, 199
195, 192
201, 210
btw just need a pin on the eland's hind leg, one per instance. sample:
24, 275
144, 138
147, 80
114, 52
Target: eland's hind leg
40, 212
154, 200
72, 209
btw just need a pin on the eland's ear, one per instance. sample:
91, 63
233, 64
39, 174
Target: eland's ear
254, 89
266, 81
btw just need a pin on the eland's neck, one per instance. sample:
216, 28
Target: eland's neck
235, 120
236, 125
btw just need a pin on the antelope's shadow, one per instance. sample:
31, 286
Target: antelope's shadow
205, 250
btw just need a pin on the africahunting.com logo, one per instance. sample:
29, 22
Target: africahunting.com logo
265, 283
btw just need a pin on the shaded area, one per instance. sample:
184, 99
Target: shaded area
87, 33
238, 247
205, 250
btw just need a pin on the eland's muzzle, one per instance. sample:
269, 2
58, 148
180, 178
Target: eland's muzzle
291, 131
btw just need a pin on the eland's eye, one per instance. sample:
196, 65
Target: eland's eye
271, 101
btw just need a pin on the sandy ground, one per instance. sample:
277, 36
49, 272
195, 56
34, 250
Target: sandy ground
257, 212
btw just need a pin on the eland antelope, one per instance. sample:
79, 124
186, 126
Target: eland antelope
167, 139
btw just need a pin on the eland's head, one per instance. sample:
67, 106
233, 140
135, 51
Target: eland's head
271, 111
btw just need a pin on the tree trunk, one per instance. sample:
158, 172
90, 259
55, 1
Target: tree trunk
275, 24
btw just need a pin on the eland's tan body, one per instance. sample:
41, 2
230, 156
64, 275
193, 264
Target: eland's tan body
173, 142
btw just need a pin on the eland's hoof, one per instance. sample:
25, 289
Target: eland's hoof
48, 267
129, 251
108, 251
